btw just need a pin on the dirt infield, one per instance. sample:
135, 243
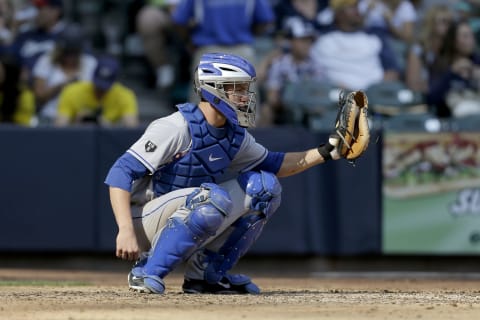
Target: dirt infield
72, 294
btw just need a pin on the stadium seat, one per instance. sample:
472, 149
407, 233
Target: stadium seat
393, 97
408, 122
325, 122
308, 98
467, 123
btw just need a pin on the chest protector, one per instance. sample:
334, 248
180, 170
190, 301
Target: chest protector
211, 153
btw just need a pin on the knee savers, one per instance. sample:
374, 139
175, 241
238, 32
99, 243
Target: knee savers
264, 189
209, 205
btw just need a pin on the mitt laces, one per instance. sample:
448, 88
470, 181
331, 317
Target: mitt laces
342, 99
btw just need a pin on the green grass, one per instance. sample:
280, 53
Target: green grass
42, 283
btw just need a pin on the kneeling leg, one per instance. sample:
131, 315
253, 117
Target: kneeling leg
208, 207
265, 192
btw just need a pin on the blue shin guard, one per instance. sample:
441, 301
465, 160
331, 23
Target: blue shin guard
181, 237
247, 230
265, 191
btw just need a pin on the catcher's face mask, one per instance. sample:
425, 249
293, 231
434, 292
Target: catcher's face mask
224, 80
242, 99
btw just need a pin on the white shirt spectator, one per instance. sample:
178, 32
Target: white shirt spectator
404, 13
285, 70
351, 59
54, 75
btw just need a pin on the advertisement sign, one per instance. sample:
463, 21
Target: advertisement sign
431, 193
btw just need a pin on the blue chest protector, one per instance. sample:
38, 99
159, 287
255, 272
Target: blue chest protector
211, 153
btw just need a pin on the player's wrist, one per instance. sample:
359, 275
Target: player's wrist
325, 150
328, 150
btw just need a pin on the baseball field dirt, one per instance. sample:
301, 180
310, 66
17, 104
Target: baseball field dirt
288, 292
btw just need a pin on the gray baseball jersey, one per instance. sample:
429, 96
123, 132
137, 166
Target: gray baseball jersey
169, 138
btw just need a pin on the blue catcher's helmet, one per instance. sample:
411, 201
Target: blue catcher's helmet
214, 71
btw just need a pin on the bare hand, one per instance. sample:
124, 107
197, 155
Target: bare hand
127, 246
463, 67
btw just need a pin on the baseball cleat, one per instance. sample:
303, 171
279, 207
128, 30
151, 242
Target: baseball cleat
145, 283
229, 284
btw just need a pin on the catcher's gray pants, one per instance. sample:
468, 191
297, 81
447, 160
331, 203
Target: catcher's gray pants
150, 220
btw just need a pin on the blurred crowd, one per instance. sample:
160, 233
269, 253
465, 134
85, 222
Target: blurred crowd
419, 56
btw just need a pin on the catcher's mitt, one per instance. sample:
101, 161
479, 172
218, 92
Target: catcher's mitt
351, 125
352, 134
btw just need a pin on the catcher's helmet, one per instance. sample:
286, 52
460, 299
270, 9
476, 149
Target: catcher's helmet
218, 69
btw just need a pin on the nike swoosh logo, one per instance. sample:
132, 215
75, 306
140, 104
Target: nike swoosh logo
211, 158
225, 285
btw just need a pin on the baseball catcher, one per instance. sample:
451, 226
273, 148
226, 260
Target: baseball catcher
352, 134
209, 187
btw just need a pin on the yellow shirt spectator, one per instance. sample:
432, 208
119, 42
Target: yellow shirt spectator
80, 102
25, 110
102, 100
17, 102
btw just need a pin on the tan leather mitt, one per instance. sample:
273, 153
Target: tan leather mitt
352, 125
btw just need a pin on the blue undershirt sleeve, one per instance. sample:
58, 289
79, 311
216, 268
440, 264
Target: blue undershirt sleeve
124, 171
272, 162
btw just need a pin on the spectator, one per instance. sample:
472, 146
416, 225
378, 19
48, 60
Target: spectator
395, 18
25, 14
17, 104
456, 71
102, 100
422, 53
469, 10
29, 45
314, 12
426, 4
153, 23
353, 57
294, 65
222, 26
7, 22
67, 63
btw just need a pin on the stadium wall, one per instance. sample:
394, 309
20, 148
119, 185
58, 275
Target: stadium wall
53, 198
